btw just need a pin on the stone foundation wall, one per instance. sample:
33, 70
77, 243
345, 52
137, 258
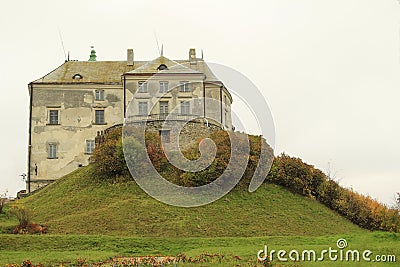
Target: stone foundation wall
188, 133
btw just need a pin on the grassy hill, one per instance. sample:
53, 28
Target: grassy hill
77, 204
98, 212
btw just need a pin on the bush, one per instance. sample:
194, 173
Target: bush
108, 157
25, 225
3, 200
109, 162
23, 215
292, 173
306, 180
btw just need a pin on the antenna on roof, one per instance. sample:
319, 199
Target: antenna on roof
158, 47
162, 50
202, 55
62, 44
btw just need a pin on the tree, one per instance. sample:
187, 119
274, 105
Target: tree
3, 200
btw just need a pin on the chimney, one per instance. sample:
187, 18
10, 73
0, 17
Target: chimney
129, 60
192, 56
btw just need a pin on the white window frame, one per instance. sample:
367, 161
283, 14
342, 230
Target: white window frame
52, 151
164, 86
185, 108
142, 87
103, 116
99, 95
184, 86
89, 146
162, 104
50, 121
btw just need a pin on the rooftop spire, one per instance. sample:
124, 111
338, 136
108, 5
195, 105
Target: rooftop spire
92, 54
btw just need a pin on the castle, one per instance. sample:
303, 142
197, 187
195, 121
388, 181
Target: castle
70, 105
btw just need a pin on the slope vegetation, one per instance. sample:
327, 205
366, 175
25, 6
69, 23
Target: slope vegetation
78, 204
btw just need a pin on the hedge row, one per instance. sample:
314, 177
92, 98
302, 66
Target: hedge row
286, 171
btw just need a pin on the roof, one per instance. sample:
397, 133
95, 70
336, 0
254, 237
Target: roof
110, 72
151, 67
91, 72
202, 67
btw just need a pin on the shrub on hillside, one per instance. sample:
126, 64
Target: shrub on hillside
3, 201
25, 225
109, 162
108, 158
306, 180
286, 171
23, 215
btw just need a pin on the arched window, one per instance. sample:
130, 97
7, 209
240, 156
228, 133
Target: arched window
77, 76
162, 67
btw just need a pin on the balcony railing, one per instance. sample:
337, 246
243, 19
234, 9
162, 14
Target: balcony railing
162, 117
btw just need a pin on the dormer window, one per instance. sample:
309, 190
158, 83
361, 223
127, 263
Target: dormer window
162, 67
77, 76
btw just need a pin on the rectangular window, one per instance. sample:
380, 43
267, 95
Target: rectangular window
99, 116
163, 107
184, 86
142, 87
89, 146
52, 151
143, 108
163, 87
99, 95
53, 116
165, 136
185, 108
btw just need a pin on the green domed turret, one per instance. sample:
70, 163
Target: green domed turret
92, 54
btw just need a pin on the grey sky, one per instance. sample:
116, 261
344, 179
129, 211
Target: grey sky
328, 69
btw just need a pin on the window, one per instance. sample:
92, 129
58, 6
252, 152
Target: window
184, 86
52, 151
143, 108
185, 108
163, 87
99, 95
162, 67
89, 146
165, 136
53, 116
142, 87
99, 116
163, 107
77, 77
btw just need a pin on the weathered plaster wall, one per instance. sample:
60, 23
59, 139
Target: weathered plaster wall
174, 97
76, 105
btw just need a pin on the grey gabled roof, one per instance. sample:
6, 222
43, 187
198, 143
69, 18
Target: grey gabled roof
173, 67
110, 72
91, 72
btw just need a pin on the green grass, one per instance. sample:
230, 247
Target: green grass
77, 205
98, 221
54, 249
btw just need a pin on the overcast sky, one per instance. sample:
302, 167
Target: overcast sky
328, 69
